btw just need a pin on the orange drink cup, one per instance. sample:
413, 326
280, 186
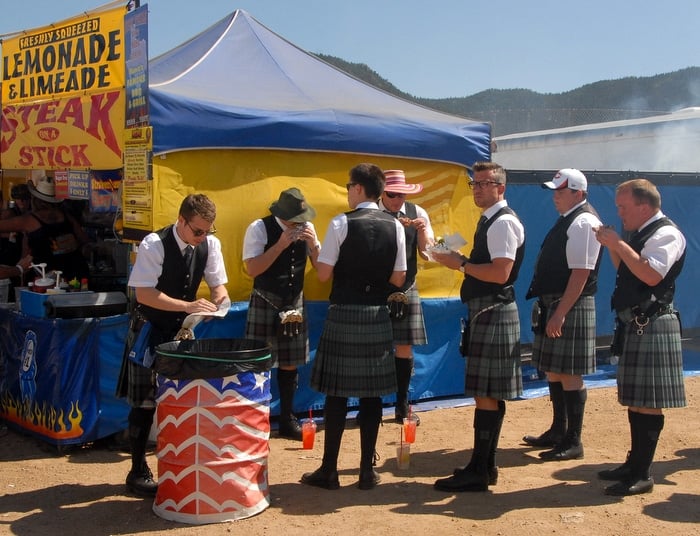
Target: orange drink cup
308, 434
409, 428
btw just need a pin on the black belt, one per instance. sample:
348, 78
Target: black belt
642, 317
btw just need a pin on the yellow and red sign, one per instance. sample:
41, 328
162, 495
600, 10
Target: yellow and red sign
63, 95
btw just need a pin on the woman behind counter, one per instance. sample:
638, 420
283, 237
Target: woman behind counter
51, 235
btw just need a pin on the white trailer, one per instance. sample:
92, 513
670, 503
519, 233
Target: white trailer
663, 143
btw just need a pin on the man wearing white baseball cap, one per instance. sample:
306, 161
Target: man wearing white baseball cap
564, 283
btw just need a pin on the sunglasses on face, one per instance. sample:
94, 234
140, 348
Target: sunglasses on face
392, 195
481, 184
201, 232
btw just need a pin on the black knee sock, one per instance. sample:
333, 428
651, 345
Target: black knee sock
140, 421
335, 412
371, 409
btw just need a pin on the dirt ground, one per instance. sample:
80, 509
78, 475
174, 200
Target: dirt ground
81, 491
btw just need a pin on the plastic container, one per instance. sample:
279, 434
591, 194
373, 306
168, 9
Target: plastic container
33, 303
213, 418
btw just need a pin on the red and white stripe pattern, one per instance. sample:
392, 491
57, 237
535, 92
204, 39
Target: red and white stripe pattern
212, 448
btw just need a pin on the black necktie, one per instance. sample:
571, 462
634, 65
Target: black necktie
187, 255
481, 222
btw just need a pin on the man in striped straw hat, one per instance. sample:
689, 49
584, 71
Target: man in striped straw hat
409, 327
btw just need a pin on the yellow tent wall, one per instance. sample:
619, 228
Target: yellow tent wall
243, 184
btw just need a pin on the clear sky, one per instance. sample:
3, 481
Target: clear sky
443, 48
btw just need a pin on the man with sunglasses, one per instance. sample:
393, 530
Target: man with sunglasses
364, 253
275, 249
409, 326
493, 369
169, 266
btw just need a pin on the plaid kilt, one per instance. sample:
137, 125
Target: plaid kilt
650, 371
355, 356
137, 384
263, 324
573, 352
493, 361
411, 328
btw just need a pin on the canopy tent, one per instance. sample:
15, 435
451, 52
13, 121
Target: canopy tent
239, 85
239, 113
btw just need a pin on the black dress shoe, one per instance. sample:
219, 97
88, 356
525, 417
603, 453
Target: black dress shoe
547, 439
368, 479
563, 452
620, 473
464, 480
631, 486
290, 428
321, 479
493, 474
141, 482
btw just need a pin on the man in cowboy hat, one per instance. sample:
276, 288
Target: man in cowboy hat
275, 249
53, 235
409, 329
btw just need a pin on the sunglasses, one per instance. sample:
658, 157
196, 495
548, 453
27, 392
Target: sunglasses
200, 232
481, 184
392, 195
350, 185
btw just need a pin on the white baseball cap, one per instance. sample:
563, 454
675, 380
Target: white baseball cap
569, 178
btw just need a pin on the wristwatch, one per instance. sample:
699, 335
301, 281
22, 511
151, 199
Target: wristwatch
464, 263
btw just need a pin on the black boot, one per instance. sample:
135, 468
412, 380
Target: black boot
622, 472
475, 476
493, 469
639, 479
404, 369
556, 432
570, 448
288, 424
371, 409
334, 415
140, 478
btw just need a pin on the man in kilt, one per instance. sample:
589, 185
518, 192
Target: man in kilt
364, 252
275, 249
565, 281
170, 264
493, 369
650, 371
409, 326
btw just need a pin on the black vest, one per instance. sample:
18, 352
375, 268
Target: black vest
475, 288
177, 281
366, 259
630, 291
411, 245
552, 271
285, 276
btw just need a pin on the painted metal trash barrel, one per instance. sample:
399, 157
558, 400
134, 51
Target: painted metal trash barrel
213, 414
